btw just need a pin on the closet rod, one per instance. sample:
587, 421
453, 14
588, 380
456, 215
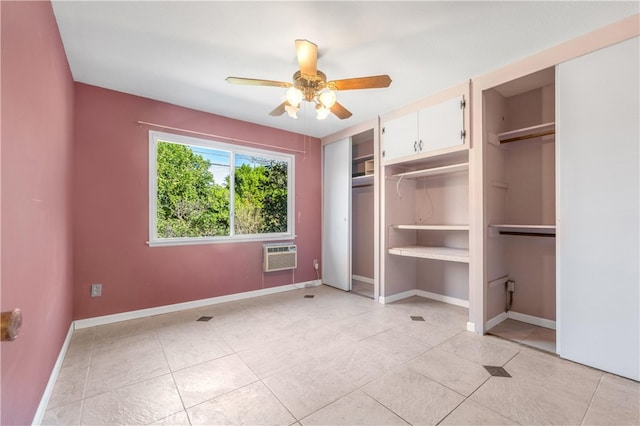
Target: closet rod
530, 136
161, 126
527, 234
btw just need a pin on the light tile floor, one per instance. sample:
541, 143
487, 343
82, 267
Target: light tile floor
362, 288
333, 359
527, 334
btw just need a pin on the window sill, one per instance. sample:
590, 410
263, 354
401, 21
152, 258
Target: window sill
236, 239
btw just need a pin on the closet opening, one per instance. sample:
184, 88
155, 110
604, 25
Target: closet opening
520, 146
362, 213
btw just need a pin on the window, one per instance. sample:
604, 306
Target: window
203, 191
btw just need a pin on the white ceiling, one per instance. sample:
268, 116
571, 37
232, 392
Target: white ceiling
181, 52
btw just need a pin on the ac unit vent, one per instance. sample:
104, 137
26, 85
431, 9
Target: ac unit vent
279, 257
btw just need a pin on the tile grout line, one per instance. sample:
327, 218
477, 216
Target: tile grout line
584, 416
86, 379
164, 353
297, 420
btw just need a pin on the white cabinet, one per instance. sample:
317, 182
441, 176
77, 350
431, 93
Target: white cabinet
400, 137
425, 199
437, 127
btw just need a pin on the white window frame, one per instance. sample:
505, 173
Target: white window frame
155, 241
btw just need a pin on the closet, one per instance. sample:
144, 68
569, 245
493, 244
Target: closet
426, 200
362, 201
560, 172
520, 180
348, 232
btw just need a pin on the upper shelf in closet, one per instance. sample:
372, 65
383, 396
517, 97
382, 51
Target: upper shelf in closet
433, 227
528, 133
363, 157
432, 171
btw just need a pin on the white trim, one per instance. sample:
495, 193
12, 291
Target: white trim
123, 316
517, 316
530, 319
442, 298
496, 320
362, 279
233, 150
397, 296
48, 390
471, 326
426, 294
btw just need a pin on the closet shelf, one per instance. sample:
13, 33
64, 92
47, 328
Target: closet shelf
528, 133
531, 230
437, 253
433, 227
365, 180
362, 158
433, 171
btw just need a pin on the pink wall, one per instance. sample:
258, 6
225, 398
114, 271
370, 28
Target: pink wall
111, 210
37, 114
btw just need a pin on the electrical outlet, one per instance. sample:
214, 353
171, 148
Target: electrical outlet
96, 290
511, 286
315, 264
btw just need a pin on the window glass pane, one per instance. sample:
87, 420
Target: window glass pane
192, 191
260, 190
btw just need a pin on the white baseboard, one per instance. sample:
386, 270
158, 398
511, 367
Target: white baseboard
142, 313
397, 296
496, 320
442, 298
48, 391
426, 294
529, 319
362, 279
471, 326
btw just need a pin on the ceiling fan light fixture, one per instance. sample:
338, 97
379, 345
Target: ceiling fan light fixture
327, 98
310, 85
294, 96
322, 112
292, 111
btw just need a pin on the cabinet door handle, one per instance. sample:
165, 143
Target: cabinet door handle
415, 146
420, 145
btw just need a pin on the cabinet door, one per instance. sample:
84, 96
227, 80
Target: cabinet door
400, 137
597, 106
440, 126
336, 215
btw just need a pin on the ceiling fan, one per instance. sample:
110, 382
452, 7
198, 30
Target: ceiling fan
311, 85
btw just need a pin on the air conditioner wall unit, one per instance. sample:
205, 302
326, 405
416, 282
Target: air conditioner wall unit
280, 257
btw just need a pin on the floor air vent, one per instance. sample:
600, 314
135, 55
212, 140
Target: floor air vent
279, 257
496, 371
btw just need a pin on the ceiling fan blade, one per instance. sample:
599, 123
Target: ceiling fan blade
341, 112
307, 57
373, 82
279, 110
257, 82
